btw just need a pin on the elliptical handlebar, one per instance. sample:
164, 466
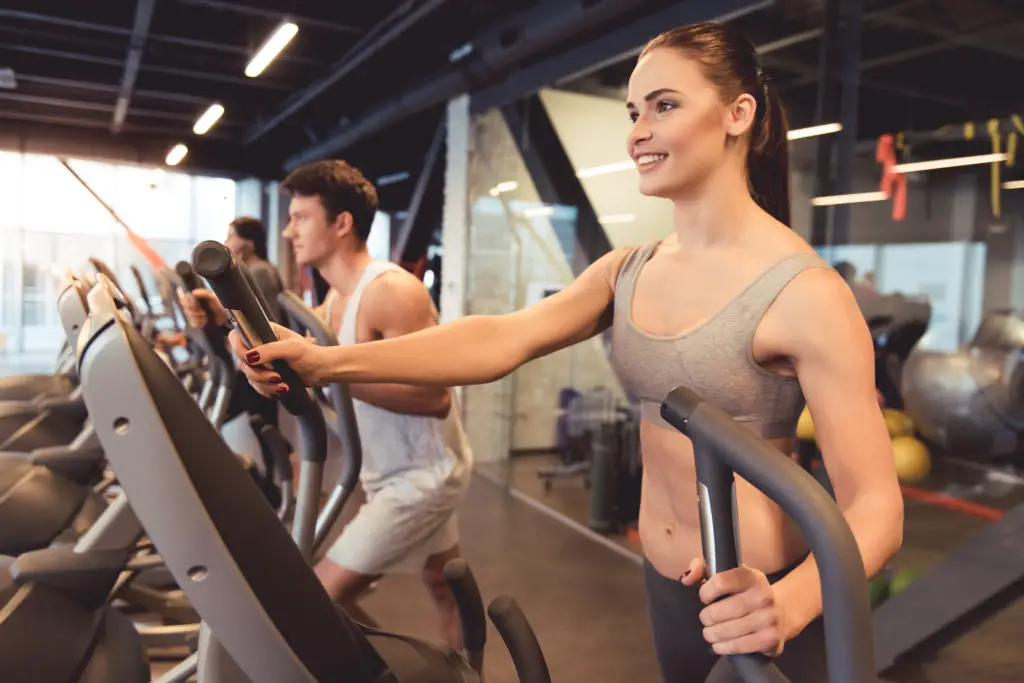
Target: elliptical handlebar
214, 262
213, 334
723, 447
340, 398
521, 641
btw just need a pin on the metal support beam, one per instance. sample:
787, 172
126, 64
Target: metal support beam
412, 242
136, 45
609, 48
554, 176
249, 10
64, 103
386, 32
109, 61
89, 86
809, 75
497, 52
826, 110
153, 37
852, 12
956, 38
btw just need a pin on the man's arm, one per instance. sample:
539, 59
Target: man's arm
393, 305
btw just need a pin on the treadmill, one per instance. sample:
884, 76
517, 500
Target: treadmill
255, 590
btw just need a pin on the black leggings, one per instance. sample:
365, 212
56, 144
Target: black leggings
245, 399
685, 657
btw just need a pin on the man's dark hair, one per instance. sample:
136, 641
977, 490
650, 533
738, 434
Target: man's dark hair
249, 228
340, 187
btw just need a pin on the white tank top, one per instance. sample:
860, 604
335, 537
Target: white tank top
430, 452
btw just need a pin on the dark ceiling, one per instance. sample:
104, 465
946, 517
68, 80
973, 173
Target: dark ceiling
79, 65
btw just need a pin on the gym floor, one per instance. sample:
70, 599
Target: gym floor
584, 594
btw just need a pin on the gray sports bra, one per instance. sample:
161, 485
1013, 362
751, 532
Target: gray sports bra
715, 359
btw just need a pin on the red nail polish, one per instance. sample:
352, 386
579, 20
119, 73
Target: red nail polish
252, 357
281, 391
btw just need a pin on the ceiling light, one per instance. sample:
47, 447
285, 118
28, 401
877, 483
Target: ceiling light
1014, 185
271, 48
617, 218
812, 131
209, 117
949, 163
856, 198
606, 168
392, 178
176, 154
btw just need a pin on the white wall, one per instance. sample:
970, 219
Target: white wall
593, 132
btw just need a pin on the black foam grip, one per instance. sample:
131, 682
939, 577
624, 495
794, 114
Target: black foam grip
471, 606
520, 640
214, 333
214, 262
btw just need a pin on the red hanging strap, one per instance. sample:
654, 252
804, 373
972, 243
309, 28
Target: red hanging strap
894, 183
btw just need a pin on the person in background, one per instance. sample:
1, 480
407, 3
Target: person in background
417, 461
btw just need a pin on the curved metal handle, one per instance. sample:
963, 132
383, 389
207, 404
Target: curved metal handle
213, 334
471, 611
723, 445
520, 640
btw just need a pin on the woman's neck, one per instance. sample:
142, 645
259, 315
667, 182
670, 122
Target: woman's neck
716, 213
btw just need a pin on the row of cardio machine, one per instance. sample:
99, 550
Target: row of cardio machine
172, 497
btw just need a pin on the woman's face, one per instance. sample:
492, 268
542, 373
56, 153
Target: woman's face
681, 127
239, 247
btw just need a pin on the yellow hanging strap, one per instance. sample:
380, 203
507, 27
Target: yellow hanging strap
1016, 128
993, 131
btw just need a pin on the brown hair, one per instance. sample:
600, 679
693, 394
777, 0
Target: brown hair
340, 187
730, 61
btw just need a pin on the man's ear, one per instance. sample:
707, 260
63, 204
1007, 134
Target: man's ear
343, 224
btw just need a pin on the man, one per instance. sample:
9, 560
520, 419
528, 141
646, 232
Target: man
416, 458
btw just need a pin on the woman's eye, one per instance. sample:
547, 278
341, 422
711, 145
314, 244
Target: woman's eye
633, 116
665, 105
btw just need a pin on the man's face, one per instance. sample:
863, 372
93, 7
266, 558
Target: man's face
312, 237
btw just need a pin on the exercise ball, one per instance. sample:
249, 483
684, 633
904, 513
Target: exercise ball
1002, 330
902, 579
805, 426
960, 402
897, 422
913, 462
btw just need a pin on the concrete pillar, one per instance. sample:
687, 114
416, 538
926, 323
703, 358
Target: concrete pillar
455, 213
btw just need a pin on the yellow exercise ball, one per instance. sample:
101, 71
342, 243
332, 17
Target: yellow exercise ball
805, 426
898, 423
913, 461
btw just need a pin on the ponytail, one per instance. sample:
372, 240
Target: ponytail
768, 158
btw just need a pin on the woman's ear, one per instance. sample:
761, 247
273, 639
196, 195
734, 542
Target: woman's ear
740, 115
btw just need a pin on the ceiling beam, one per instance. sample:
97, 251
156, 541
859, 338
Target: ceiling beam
82, 105
955, 38
387, 31
136, 46
71, 83
809, 75
496, 53
153, 37
239, 8
151, 68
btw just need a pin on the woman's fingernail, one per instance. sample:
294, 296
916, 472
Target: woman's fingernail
684, 574
275, 380
252, 357
281, 391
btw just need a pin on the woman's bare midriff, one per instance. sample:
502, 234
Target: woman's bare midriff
669, 526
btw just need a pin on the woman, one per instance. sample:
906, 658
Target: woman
732, 304
247, 241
